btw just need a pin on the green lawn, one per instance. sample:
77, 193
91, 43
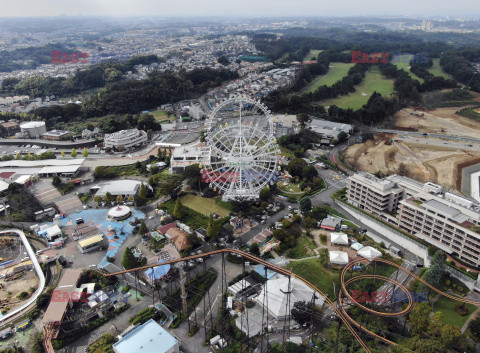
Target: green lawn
314, 272
336, 72
203, 205
373, 82
436, 70
312, 54
447, 307
286, 152
403, 62
162, 115
290, 188
304, 248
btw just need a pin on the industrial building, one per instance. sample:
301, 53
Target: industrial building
425, 210
33, 129
125, 139
147, 338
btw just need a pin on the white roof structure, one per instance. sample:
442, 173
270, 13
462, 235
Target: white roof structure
369, 253
357, 246
339, 238
120, 187
3, 186
338, 257
119, 212
18, 163
32, 124
277, 295
237, 287
42, 167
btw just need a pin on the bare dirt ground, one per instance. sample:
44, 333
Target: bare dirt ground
10, 290
417, 161
435, 120
440, 164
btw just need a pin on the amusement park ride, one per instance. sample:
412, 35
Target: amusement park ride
244, 154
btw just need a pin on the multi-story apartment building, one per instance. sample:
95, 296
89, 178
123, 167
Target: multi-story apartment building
125, 138
441, 218
373, 194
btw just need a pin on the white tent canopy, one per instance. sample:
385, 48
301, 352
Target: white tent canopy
356, 246
338, 257
339, 238
369, 253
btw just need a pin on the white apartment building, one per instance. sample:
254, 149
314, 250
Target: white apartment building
125, 138
373, 194
183, 157
425, 210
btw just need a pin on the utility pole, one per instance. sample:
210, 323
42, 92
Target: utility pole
183, 291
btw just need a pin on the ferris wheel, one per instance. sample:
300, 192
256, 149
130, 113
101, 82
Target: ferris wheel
243, 150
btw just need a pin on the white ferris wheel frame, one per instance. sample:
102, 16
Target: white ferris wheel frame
243, 157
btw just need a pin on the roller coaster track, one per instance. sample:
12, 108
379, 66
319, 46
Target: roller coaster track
339, 310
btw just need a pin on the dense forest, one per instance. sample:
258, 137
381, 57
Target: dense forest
29, 58
92, 77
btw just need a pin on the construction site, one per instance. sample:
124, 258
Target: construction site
413, 152
17, 280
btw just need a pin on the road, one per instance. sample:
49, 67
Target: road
434, 135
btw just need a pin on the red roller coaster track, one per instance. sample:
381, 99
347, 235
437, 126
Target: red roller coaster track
339, 310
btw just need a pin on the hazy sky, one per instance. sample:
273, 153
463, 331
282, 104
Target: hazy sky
231, 8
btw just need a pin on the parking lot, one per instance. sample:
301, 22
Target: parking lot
13, 150
180, 137
47, 194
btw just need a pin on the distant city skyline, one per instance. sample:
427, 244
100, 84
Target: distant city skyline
244, 8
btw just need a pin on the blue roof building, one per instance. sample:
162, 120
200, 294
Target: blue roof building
147, 338
157, 273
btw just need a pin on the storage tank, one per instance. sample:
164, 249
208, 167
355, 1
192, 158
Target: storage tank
33, 129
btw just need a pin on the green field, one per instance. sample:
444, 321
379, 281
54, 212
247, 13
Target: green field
403, 62
162, 115
336, 72
373, 82
203, 205
447, 307
314, 272
304, 248
312, 54
436, 70
286, 152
